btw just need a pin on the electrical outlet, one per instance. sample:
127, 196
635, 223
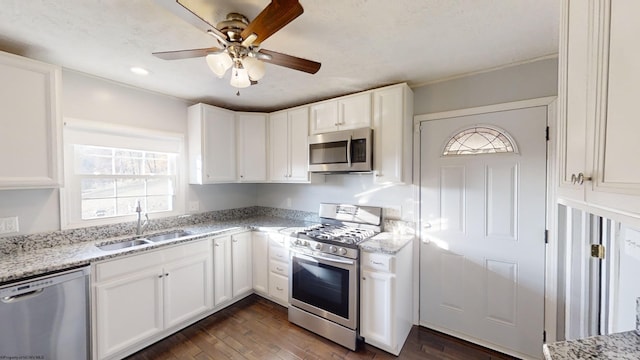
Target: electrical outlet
9, 225
194, 205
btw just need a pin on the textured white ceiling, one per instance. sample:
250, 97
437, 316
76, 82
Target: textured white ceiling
361, 44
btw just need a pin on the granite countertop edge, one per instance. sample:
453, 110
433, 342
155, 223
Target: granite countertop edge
386, 243
27, 264
619, 346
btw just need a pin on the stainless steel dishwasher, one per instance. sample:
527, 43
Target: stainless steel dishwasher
46, 317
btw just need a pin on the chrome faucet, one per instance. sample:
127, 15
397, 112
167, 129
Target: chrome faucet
141, 227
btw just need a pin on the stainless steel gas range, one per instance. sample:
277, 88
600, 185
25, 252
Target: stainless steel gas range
323, 283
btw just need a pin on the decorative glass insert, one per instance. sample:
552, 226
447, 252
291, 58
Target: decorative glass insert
479, 140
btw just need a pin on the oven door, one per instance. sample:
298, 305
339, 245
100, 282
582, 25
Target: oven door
326, 286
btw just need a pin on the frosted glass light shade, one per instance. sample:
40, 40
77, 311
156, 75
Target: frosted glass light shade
219, 63
254, 67
239, 78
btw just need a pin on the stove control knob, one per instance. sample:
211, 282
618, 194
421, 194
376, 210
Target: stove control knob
343, 251
318, 246
306, 243
298, 242
333, 249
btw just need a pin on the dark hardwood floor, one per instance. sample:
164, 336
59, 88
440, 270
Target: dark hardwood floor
256, 328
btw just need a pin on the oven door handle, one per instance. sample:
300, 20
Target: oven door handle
315, 258
349, 151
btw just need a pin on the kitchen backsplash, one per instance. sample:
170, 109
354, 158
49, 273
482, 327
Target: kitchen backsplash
29, 242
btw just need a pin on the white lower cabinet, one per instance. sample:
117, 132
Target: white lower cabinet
140, 296
222, 291
260, 265
241, 264
386, 299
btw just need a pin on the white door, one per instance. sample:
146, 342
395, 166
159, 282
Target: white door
483, 219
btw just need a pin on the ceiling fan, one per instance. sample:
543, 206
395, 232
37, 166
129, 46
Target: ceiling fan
240, 41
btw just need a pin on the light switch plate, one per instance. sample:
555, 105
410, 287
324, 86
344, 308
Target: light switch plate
9, 225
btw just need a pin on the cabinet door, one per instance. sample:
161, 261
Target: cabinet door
617, 102
260, 262
298, 148
129, 310
573, 98
222, 290
252, 147
354, 112
30, 122
377, 308
187, 289
279, 147
388, 133
324, 117
279, 287
219, 145
241, 263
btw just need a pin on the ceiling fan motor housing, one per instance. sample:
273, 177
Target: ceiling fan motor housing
233, 26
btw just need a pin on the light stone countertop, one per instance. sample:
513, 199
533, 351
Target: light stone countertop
386, 243
40, 260
619, 346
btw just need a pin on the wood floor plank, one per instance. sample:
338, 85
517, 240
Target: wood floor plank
257, 329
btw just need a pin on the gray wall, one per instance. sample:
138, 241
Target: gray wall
527, 81
90, 98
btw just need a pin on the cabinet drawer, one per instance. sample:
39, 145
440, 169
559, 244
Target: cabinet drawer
279, 267
279, 287
380, 262
279, 253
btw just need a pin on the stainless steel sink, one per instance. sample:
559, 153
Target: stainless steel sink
168, 236
123, 244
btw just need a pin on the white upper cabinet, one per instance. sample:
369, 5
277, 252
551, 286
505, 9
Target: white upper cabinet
252, 147
392, 123
212, 144
30, 139
349, 112
288, 150
599, 87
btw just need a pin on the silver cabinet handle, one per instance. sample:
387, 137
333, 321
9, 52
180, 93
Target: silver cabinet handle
581, 178
279, 288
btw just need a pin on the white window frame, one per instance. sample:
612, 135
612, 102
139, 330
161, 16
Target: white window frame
93, 133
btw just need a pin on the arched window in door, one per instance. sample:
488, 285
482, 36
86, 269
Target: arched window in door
480, 139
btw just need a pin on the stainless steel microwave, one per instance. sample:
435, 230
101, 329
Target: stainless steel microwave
341, 151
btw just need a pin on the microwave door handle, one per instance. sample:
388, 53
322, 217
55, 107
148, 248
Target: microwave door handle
349, 151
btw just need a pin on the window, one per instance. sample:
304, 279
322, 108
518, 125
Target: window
109, 169
113, 181
479, 140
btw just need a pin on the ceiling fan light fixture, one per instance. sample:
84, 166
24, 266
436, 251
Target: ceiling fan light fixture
255, 68
239, 77
219, 63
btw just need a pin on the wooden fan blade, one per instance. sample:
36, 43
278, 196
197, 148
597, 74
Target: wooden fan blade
273, 18
185, 54
291, 62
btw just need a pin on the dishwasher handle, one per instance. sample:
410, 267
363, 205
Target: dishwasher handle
21, 297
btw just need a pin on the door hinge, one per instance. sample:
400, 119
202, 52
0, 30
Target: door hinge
597, 251
544, 336
547, 133
546, 236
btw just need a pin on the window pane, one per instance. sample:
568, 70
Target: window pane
91, 160
159, 186
97, 208
97, 188
128, 166
156, 167
130, 187
159, 203
127, 205
478, 140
